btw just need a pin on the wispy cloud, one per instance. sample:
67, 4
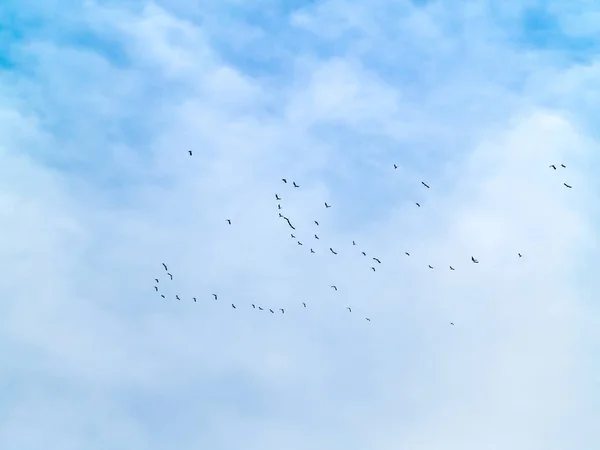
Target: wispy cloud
101, 102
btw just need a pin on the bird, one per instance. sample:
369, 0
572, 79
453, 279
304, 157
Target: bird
332, 251
311, 250
316, 237
289, 223
282, 310
277, 197
304, 304
260, 308
190, 152
177, 297
278, 206
170, 275
474, 260
229, 221
567, 185
425, 184
272, 312
366, 318
295, 185
162, 295
520, 256
327, 206
233, 306
451, 323
317, 223
553, 166
562, 165
280, 215
407, 254
348, 308
353, 243
165, 266
373, 268
451, 268
417, 204
299, 243
395, 166
156, 288
293, 237
430, 266
215, 296
253, 306
333, 287
377, 260
364, 254
194, 298
156, 279
284, 180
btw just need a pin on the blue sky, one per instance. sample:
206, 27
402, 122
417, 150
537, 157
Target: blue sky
99, 104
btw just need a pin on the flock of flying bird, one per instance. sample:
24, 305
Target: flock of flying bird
289, 223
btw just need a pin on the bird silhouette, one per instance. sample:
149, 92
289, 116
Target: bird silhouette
165, 266
304, 304
430, 266
366, 318
353, 243
332, 251
177, 297
311, 250
373, 268
282, 310
253, 306
229, 221
299, 243
375, 259
348, 308
170, 275
284, 180
156, 288
424, 184
395, 166
474, 260
295, 185
553, 166
418, 205
364, 254
567, 185
407, 254
194, 298
260, 308
317, 223
562, 165
316, 237
162, 296
289, 223
277, 197
280, 215
156, 279
278, 206
451, 268
272, 312
190, 152
520, 256
215, 296
333, 287
233, 306
451, 323
327, 206
293, 237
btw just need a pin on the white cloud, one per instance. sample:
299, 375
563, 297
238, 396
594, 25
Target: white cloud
96, 359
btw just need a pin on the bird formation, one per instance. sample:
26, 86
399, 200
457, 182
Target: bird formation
289, 223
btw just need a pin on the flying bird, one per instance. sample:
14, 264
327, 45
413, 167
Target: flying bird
451, 323
553, 166
299, 243
451, 268
280, 215
253, 306
289, 223
348, 308
190, 152
156, 288
295, 185
333, 287
424, 184
229, 221
304, 304
177, 297
215, 296
311, 250
156, 279
162, 296
474, 260
353, 243
194, 298
407, 254
272, 312
377, 260
395, 166
284, 180
316, 237
366, 318
373, 268
317, 222
364, 254
293, 237
260, 308
520, 256
417, 204
165, 266
282, 310
278, 206
332, 251
233, 306
567, 185
277, 197
170, 275
430, 266
562, 165
327, 206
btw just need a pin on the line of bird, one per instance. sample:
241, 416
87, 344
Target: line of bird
553, 166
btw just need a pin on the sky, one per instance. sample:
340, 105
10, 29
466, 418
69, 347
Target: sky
100, 102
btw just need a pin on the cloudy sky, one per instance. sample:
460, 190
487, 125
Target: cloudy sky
100, 102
